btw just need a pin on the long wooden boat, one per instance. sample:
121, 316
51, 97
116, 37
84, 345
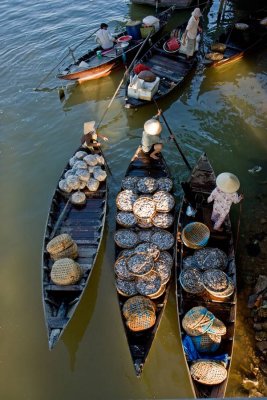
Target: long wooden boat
179, 4
85, 225
140, 342
238, 42
90, 66
171, 69
201, 183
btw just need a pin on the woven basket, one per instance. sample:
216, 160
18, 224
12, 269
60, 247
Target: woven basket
207, 343
125, 238
197, 321
163, 239
210, 258
144, 223
141, 320
148, 284
217, 327
140, 264
136, 303
211, 278
66, 272
129, 183
218, 47
195, 235
121, 270
165, 184
126, 219
144, 207
147, 185
208, 372
163, 220
191, 280
164, 201
125, 200
126, 288
70, 252
145, 235
59, 243
148, 248
214, 56
164, 270
159, 293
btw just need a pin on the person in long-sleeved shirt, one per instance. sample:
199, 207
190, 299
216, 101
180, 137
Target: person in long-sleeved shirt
223, 196
104, 37
191, 31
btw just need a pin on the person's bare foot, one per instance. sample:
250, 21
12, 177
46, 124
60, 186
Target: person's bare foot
154, 156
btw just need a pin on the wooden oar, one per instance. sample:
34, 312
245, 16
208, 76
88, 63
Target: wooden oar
60, 218
173, 137
70, 52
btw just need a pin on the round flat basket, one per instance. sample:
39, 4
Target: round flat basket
218, 47
125, 200
210, 258
129, 183
164, 270
207, 343
218, 285
141, 320
148, 284
208, 372
126, 253
136, 303
144, 207
163, 220
214, 56
159, 293
195, 235
166, 257
121, 270
126, 219
125, 238
197, 321
70, 252
145, 235
191, 280
148, 248
59, 243
144, 223
78, 198
147, 185
126, 288
165, 184
163, 239
140, 264
164, 201
189, 262
65, 272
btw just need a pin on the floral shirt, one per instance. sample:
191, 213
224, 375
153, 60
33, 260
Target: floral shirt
223, 201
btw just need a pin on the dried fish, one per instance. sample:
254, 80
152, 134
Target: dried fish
126, 238
147, 185
125, 200
164, 240
164, 201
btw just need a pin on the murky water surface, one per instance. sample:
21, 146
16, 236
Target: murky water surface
220, 111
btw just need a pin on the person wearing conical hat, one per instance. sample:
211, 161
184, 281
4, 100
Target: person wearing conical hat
191, 31
90, 136
223, 196
151, 141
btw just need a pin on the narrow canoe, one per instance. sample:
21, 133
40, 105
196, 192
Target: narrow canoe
140, 342
202, 182
85, 225
238, 42
171, 68
89, 66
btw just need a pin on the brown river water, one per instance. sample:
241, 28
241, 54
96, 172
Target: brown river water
220, 111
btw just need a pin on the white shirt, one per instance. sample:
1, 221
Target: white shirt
104, 38
192, 28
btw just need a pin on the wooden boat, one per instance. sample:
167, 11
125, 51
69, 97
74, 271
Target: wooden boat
238, 42
171, 70
85, 225
201, 183
90, 66
179, 4
140, 342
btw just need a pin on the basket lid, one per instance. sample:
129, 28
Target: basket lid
208, 372
195, 235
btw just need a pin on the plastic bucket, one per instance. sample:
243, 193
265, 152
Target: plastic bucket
134, 30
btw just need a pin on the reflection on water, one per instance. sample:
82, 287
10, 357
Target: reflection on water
222, 112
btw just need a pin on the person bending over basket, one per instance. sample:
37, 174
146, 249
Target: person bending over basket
223, 196
89, 137
151, 141
191, 31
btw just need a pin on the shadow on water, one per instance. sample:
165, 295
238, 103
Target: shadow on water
82, 317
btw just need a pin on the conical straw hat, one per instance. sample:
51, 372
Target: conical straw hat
88, 127
227, 182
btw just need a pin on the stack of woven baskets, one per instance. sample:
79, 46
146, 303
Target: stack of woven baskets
63, 250
139, 313
203, 273
85, 173
217, 50
205, 331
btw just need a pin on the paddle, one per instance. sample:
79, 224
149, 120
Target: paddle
172, 136
60, 218
70, 52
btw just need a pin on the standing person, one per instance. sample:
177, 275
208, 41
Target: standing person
104, 38
151, 141
191, 31
223, 196
89, 137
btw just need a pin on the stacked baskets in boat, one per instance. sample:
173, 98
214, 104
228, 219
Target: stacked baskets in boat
204, 333
144, 264
203, 273
85, 174
63, 250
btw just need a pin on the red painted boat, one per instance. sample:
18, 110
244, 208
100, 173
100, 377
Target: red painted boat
93, 65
